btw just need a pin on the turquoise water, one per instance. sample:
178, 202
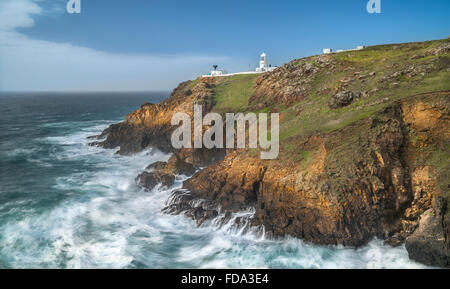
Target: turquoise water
64, 204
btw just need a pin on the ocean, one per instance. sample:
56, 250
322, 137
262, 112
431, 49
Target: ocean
64, 204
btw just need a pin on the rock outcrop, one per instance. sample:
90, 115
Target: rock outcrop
150, 126
290, 83
164, 172
428, 243
341, 99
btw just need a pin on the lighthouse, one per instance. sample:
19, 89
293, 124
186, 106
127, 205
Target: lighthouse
264, 64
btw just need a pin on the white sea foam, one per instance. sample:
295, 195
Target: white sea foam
21, 152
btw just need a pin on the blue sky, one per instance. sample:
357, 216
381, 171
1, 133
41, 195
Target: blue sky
138, 45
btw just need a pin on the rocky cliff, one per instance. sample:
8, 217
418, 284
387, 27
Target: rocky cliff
364, 149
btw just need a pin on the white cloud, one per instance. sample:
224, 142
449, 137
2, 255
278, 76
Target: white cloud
37, 65
17, 13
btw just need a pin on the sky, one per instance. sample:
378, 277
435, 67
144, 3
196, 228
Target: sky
150, 45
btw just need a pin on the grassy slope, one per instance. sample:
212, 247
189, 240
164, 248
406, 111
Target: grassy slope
233, 93
317, 116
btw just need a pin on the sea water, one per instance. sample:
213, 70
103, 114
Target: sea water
65, 204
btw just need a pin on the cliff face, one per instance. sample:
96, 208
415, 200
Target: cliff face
364, 149
360, 182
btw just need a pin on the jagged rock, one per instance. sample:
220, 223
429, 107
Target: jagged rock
427, 244
440, 50
149, 180
164, 172
341, 99
157, 166
179, 166
201, 215
201, 157
290, 83
147, 105
183, 202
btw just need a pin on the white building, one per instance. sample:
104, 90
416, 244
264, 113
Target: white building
217, 72
329, 50
264, 64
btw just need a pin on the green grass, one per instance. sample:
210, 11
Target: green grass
233, 93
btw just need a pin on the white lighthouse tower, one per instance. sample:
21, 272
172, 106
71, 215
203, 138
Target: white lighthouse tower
264, 64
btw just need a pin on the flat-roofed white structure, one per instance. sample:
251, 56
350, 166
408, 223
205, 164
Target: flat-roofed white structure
217, 72
329, 50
